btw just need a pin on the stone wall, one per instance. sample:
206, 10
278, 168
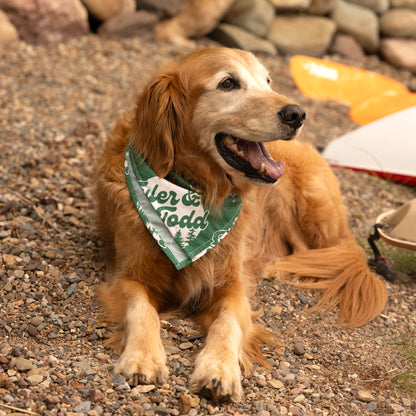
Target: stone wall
351, 28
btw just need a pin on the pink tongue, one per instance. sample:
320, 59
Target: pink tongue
258, 154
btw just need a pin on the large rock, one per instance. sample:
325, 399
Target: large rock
398, 23
378, 6
163, 8
192, 22
236, 37
321, 6
346, 45
357, 21
127, 6
309, 35
399, 52
291, 4
254, 15
129, 24
103, 9
46, 21
403, 3
8, 33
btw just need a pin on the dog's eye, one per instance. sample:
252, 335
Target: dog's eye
269, 81
228, 84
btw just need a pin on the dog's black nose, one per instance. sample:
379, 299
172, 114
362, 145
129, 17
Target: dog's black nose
292, 115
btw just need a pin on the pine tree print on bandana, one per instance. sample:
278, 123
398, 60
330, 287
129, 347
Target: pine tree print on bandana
174, 213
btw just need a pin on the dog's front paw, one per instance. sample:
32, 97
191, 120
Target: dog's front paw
217, 379
142, 368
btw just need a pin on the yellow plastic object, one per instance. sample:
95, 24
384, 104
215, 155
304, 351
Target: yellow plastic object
370, 95
380, 106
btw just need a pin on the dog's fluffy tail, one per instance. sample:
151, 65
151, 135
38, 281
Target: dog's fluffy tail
341, 273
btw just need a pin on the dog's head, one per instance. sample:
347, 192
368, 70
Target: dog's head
208, 116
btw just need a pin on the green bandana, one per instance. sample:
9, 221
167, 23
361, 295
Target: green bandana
174, 213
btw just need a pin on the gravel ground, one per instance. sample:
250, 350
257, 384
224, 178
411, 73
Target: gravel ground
56, 107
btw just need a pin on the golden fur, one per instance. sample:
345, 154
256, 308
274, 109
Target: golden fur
295, 229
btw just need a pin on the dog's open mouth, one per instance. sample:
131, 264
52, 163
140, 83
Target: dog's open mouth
251, 158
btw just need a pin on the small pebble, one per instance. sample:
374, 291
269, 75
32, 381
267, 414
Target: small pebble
22, 364
186, 345
364, 396
50, 254
288, 378
118, 379
35, 379
102, 357
276, 384
83, 407
95, 395
284, 367
16, 352
260, 405
303, 298
300, 399
299, 349
160, 410
54, 400
3, 379
123, 387
32, 330
37, 320
144, 388
8, 398
396, 407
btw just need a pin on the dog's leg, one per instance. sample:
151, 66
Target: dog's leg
229, 328
143, 359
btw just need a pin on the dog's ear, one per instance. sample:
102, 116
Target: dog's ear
161, 122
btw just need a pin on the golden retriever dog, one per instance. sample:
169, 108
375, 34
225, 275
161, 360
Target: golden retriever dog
212, 121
